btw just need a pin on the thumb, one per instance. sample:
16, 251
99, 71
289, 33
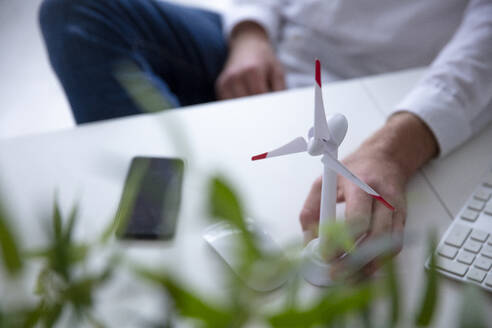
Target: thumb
277, 78
340, 193
310, 212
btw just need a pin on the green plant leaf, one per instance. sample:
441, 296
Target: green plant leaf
394, 293
128, 199
335, 305
79, 293
11, 257
429, 296
72, 217
77, 252
339, 236
224, 203
59, 245
366, 316
57, 220
51, 314
187, 304
140, 88
33, 316
472, 309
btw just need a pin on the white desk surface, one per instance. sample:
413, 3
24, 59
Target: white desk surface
89, 164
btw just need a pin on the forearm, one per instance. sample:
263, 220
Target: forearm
454, 95
263, 13
245, 30
406, 140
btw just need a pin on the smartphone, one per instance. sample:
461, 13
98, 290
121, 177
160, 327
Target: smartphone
151, 198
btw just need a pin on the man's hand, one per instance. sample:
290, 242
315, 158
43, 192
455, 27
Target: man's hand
252, 67
386, 162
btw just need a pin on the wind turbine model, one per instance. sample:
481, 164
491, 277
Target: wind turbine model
324, 138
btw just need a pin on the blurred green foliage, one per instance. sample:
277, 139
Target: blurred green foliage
8, 245
66, 287
429, 300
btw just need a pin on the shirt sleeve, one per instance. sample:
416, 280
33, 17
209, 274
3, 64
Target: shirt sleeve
266, 13
454, 96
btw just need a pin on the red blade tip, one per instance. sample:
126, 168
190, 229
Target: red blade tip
260, 156
382, 200
318, 72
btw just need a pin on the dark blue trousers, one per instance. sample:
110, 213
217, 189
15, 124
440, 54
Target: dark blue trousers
180, 50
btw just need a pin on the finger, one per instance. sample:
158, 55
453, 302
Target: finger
340, 194
310, 213
381, 233
371, 268
277, 78
364, 261
382, 222
256, 82
358, 210
238, 87
395, 245
398, 228
224, 94
220, 89
342, 272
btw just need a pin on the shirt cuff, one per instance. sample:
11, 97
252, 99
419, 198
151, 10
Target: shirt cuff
265, 16
441, 112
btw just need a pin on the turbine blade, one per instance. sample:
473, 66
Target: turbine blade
320, 124
311, 133
295, 146
341, 169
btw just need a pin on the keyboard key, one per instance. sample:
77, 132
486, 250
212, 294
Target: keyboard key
469, 215
483, 194
487, 251
479, 235
457, 235
488, 209
476, 274
488, 281
448, 251
473, 246
488, 181
483, 263
476, 204
466, 257
456, 268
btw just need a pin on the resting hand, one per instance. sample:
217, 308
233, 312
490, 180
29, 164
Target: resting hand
386, 162
252, 67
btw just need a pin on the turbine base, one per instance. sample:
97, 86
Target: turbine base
314, 268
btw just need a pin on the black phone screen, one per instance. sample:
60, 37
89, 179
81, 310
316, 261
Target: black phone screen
151, 198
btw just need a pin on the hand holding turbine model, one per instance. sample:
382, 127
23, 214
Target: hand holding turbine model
324, 138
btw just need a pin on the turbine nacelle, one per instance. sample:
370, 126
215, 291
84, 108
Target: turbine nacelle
316, 147
337, 129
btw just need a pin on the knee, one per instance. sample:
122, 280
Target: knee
52, 12
58, 19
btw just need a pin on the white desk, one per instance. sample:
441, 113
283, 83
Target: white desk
89, 164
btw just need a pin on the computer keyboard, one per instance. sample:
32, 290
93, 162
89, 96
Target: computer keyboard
465, 250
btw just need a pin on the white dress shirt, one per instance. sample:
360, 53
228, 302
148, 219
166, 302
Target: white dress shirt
354, 38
